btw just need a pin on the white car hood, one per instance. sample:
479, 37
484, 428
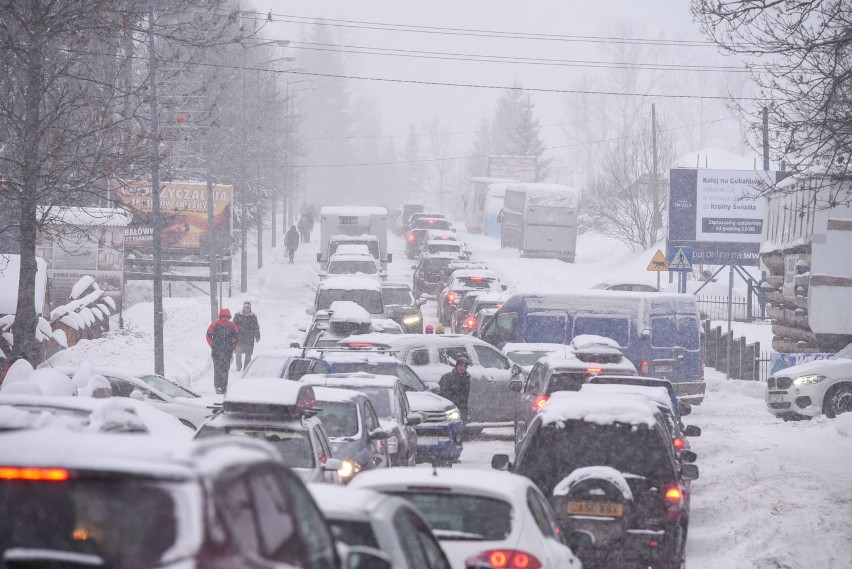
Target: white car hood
829, 368
428, 401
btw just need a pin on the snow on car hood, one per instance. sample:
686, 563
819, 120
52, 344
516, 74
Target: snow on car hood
832, 368
428, 401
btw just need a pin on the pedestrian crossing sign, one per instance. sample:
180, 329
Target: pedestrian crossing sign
681, 260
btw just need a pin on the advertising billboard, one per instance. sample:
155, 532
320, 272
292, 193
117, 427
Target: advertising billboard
518, 168
718, 213
183, 206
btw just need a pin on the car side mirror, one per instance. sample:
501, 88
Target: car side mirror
516, 385
688, 456
516, 369
645, 334
692, 431
500, 462
310, 311
689, 472
684, 408
580, 540
503, 287
358, 557
332, 464
137, 395
378, 434
295, 345
413, 419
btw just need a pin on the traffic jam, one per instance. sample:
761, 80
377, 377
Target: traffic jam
354, 447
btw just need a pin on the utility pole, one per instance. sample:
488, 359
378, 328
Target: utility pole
765, 138
159, 358
243, 192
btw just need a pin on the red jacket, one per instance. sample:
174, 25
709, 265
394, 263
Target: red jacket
223, 336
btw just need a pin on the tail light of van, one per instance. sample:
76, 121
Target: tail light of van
645, 368
540, 402
674, 502
470, 323
594, 370
451, 297
34, 474
411, 238
678, 443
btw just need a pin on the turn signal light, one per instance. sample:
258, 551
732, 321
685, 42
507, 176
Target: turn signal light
451, 297
470, 323
645, 368
540, 402
411, 237
593, 370
34, 474
674, 494
674, 503
679, 443
506, 559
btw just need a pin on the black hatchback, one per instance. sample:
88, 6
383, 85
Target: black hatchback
608, 468
402, 307
429, 271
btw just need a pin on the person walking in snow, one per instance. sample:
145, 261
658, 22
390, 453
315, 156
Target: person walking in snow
305, 229
246, 321
455, 385
222, 337
291, 242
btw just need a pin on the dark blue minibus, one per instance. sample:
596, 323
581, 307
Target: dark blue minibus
659, 332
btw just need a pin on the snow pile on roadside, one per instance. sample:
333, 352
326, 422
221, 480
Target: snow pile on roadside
843, 425
719, 386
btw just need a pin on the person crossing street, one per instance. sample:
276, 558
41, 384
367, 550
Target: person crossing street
455, 385
246, 321
222, 337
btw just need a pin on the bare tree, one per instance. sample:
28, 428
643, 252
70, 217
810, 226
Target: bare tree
799, 54
626, 200
437, 150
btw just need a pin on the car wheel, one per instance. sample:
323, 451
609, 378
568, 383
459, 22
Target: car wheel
838, 400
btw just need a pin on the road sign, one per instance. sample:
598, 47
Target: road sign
680, 259
659, 262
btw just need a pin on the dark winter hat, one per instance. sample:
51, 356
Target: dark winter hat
224, 312
462, 360
247, 303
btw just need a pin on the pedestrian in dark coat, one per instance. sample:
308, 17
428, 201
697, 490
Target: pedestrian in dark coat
246, 321
291, 242
222, 337
455, 385
305, 229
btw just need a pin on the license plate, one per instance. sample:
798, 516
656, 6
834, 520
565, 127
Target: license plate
663, 367
424, 440
596, 509
776, 398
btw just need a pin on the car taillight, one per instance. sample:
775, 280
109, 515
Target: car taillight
411, 237
674, 502
540, 401
451, 297
506, 559
678, 443
34, 474
593, 370
645, 368
431, 222
470, 323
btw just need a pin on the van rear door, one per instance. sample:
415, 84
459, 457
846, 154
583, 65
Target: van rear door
548, 327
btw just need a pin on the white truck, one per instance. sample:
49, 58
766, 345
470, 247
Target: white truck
540, 220
806, 253
354, 225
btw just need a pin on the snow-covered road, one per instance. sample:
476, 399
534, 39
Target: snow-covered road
772, 495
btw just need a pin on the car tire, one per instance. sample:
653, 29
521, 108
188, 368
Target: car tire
838, 400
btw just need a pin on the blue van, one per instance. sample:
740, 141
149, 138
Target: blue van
659, 332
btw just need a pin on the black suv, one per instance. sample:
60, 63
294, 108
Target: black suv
402, 307
429, 271
608, 467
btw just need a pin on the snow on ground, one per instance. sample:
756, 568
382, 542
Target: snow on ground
771, 494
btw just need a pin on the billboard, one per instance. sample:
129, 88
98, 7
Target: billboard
518, 168
183, 206
718, 213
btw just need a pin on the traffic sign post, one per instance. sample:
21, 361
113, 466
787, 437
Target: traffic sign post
680, 261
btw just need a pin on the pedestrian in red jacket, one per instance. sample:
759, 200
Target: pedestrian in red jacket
222, 337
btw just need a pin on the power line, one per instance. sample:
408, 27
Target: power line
573, 145
488, 58
384, 26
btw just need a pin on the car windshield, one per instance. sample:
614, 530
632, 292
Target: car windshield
380, 397
557, 450
475, 283
125, 521
615, 327
354, 533
352, 267
293, 446
372, 246
397, 296
526, 357
340, 419
408, 378
673, 330
166, 386
447, 246
369, 300
265, 366
463, 517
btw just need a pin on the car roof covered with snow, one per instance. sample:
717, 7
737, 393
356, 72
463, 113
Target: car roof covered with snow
131, 454
357, 379
422, 340
658, 395
338, 355
350, 504
348, 311
336, 395
267, 391
352, 257
564, 406
591, 341
350, 282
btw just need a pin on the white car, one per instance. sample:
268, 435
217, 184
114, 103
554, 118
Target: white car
482, 518
166, 395
349, 264
387, 523
812, 388
527, 355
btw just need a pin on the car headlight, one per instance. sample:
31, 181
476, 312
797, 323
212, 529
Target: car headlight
453, 415
393, 445
808, 379
348, 469
412, 319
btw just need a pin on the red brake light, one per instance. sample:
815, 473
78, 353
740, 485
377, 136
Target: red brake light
593, 370
451, 296
673, 494
678, 443
445, 237
506, 559
34, 474
431, 222
477, 279
645, 368
498, 305
540, 402
411, 237
470, 323
360, 345
674, 502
